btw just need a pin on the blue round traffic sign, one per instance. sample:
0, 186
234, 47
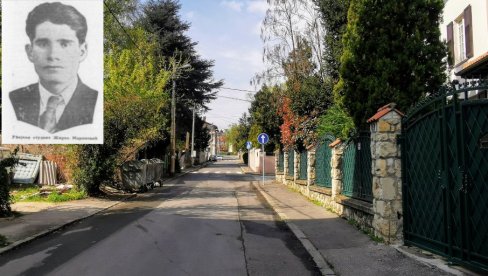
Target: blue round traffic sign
263, 138
248, 145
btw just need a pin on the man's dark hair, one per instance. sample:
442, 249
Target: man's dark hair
56, 13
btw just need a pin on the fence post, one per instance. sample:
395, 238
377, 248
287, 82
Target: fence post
336, 167
296, 165
311, 166
385, 127
285, 166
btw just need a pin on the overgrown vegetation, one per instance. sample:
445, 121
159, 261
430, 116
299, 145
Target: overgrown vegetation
31, 194
337, 122
365, 230
5, 164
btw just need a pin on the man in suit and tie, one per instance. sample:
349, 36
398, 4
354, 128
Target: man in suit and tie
60, 100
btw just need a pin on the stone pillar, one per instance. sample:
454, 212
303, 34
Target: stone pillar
386, 170
277, 172
277, 157
311, 167
336, 167
296, 165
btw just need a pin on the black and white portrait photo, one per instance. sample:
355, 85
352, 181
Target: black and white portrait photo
52, 72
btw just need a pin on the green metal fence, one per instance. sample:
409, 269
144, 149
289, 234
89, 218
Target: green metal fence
303, 165
323, 158
356, 168
348, 168
291, 163
281, 161
445, 175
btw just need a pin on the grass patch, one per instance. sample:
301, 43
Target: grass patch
31, 194
3, 241
366, 231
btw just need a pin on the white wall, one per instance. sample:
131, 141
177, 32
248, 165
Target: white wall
255, 162
479, 10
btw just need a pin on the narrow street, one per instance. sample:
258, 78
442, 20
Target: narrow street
208, 222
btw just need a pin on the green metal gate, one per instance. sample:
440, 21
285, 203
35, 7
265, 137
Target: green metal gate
291, 163
445, 175
303, 165
356, 168
323, 158
281, 161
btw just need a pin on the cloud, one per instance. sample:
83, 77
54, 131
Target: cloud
190, 14
233, 5
257, 6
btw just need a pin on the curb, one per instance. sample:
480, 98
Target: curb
319, 260
50, 230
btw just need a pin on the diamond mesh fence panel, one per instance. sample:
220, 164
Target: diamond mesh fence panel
291, 163
348, 168
281, 161
445, 175
303, 165
323, 167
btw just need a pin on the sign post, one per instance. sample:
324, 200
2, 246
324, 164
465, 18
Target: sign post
263, 139
248, 147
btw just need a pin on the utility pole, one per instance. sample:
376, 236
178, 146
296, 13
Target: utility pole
193, 135
173, 117
173, 129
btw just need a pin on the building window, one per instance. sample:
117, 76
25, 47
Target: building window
460, 37
461, 45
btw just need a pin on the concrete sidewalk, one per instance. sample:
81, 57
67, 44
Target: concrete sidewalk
337, 247
38, 218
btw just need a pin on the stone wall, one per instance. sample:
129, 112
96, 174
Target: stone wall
383, 216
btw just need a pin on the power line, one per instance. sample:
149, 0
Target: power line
237, 99
236, 89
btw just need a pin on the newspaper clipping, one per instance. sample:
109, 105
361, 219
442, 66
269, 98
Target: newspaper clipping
52, 72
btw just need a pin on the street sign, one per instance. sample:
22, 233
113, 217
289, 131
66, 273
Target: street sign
263, 138
248, 145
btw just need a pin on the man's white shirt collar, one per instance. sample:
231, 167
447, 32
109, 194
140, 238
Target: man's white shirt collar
67, 94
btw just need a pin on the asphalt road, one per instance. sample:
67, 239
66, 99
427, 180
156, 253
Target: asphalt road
208, 222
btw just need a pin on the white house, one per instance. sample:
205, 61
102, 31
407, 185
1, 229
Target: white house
213, 143
465, 29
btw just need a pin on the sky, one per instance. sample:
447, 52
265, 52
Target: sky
228, 32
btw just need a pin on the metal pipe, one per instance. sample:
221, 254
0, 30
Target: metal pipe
173, 129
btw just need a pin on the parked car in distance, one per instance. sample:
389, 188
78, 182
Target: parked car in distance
212, 158
219, 157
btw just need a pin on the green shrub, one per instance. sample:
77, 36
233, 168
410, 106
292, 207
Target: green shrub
245, 157
5, 209
337, 122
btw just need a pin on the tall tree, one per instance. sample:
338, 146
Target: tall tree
134, 96
238, 134
196, 85
285, 25
334, 19
193, 87
264, 113
307, 98
392, 53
